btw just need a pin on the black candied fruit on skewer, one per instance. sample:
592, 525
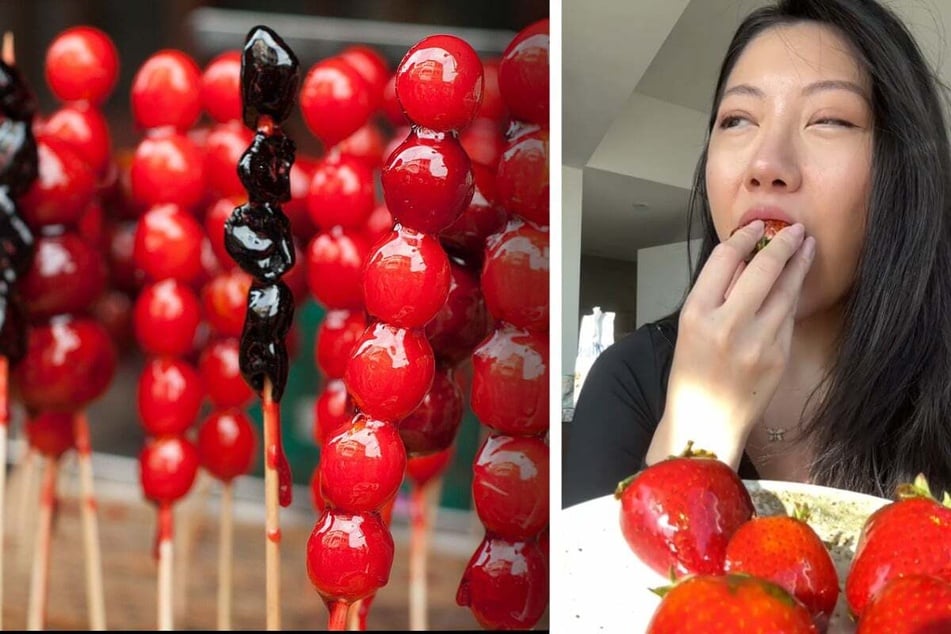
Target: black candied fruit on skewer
258, 238
17, 100
265, 167
270, 77
264, 359
13, 320
270, 311
17, 242
19, 161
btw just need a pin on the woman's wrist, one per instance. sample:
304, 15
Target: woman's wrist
671, 438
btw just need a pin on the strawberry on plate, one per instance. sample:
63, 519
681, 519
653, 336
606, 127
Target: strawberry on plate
909, 536
915, 604
729, 604
678, 514
788, 552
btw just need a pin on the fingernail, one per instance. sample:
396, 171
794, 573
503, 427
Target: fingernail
809, 248
797, 229
757, 225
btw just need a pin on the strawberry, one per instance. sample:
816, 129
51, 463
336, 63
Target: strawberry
915, 604
909, 536
788, 552
772, 228
730, 604
678, 515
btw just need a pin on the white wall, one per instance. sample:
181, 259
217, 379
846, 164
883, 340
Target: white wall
571, 178
662, 278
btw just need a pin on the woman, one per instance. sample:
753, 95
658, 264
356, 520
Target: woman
826, 358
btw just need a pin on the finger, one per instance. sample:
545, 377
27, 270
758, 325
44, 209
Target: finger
783, 299
717, 274
736, 276
764, 269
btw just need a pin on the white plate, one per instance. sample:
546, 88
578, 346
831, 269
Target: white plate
605, 587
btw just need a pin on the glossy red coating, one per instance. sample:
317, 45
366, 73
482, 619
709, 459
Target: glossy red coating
481, 218
391, 107
66, 275
521, 182
372, 66
510, 478
366, 145
221, 374
493, 106
113, 310
302, 172
50, 433
84, 129
165, 318
433, 425
515, 276
427, 181
505, 584
316, 494
169, 395
463, 321
82, 64
225, 144
215, 218
69, 363
166, 91
336, 337
168, 242
390, 371
93, 226
439, 83
220, 90
524, 75
63, 188
227, 443
422, 469
406, 278
224, 302
335, 268
378, 225
484, 141
361, 466
167, 468
167, 168
510, 382
341, 192
333, 410
356, 542
122, 270
335, 100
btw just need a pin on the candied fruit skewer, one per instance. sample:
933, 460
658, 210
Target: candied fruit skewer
95, 596
39, 578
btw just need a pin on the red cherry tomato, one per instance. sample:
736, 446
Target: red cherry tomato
406, 278
336, 337
226, 444
422, 469
169, 396
221, 87
335, 100
167, 467
439, 83
427, 181
356, 542
168, 243
84, 129
335, 267
221, 374
82, 64
524, 76
515, 276
63, 188
166, 91
432, 427
521, 182
225, 302
510, 486
333, 410
225, 144
341, 192
65, 276
69, 363
362, 466
390, 371
51, 433
481, 218
510, 382
167, 168
166, 317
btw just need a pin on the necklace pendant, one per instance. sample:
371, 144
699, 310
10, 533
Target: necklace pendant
776, 435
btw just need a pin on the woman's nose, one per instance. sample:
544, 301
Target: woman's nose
774, 165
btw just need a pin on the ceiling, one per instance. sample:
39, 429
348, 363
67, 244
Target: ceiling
637, 84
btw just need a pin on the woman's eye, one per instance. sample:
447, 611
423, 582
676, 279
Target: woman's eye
833, 121
731, 121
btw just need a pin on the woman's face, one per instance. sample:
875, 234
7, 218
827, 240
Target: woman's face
793, 141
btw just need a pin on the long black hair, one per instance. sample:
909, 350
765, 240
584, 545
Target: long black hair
886, 410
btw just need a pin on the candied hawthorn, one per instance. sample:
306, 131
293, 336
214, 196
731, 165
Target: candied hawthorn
481, 218
264, 360
372, 66
226, 444
258, 238
167, 467
265, 167
366, 145
224, 147
333, 410
270, 311
493, 106
336, 337
341, 192
17, 99
85, 129
392, 109
510, 486
378, 224
422, 469
17, 242
168, 243
484, 142
515, 276
82, 64
356, 542
50, 433
335, 268
270, 76
63, 188
335, 100
432, 426
19, 158
463, 321
66, 276
225, 301
167, 168
215, 219
169, 396
523, 74
166, 91
220, 91
166, 317
13, 325
521, 182
221, 374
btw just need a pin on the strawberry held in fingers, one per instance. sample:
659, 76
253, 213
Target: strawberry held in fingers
909, 536
909, 605
772, 227
680, 513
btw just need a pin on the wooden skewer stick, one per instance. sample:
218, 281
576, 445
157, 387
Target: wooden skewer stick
225, 552
423, 504
39, 580
26, 504
165, 552
338, 616
188, 523
272, 552
95, 596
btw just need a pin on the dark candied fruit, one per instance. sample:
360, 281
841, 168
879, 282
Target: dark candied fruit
19, 163
264, 360
270, 311
17, 99
270, 77
265, 168
258, 237
13, 337
16, 240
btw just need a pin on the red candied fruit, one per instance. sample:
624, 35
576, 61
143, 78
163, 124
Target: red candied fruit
390, 371
51, 433
391, 107
422, 469
427, 181
366, 145
333, 410
521, 182
66, 275
510, 382
336, 337
221, 374
524, 76
378, 224
226, 444
168, 243
316, 494
406, 278
362, 465
510, 486
493, 106
224, 145
221, 87
215, 219
224, 302
84, 129
122, 270
166, 317
63, 187
439, 83
372, 66
335, 100
167, 467
335, 268
356, 542
166, 91
484, 142
169, 396
515, 276
481, 218
167, 168
302, 173
431, 427
341, 192
82, 64
463, 321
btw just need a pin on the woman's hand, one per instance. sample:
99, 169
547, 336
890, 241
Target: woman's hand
733, 343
